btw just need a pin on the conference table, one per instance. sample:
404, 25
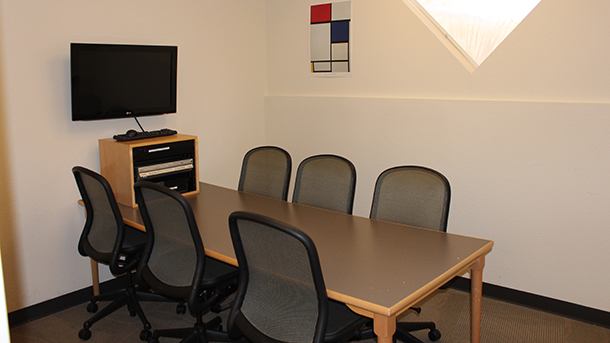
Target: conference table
379, 269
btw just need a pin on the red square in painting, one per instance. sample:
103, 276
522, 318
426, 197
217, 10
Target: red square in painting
320, 13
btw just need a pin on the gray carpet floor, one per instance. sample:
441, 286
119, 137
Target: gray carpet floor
449, 309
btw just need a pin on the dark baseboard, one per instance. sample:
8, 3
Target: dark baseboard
539, 302
63, 302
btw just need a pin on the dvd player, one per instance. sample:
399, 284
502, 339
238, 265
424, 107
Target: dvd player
165, 168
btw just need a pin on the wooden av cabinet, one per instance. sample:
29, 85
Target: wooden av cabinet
169, 160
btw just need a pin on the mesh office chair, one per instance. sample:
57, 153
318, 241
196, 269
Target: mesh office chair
105, 239
266, 171
174, 262
412, 195
416, 196
281, 295
326, 181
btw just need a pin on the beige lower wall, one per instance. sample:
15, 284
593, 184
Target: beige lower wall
523, 140
531, 176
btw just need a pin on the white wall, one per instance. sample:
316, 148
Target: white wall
523, 140
6, 220
221, 84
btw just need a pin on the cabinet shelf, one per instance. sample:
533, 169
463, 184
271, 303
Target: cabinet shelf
169, 160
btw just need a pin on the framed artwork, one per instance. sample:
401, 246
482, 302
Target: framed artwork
329, 35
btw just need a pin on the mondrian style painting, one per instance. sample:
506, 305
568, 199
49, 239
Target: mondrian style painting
329, 37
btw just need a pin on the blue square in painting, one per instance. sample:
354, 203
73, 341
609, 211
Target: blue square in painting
339, 31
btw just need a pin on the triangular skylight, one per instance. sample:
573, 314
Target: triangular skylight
474, 27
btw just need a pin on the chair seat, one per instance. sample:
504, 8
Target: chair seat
134, 242
217, 272
342, 320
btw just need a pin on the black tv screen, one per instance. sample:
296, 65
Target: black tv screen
117, 81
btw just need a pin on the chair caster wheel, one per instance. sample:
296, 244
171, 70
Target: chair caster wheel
434, 335
92, 307
132, 313
181, 309
84, 334
145, 335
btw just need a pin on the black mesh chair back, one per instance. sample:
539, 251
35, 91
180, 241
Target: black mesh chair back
281, 295
412, 195
174, 262
105, 239
326, 181
104, 232
266, 171
174, 251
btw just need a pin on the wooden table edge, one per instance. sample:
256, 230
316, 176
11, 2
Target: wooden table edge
384, 318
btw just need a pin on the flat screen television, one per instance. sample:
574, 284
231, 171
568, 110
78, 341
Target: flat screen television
112, 81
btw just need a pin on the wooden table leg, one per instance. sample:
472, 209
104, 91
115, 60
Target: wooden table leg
95, 276
384, 328
476, 297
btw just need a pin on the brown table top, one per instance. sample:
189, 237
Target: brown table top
373, 265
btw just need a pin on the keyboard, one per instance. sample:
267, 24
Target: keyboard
145, 134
